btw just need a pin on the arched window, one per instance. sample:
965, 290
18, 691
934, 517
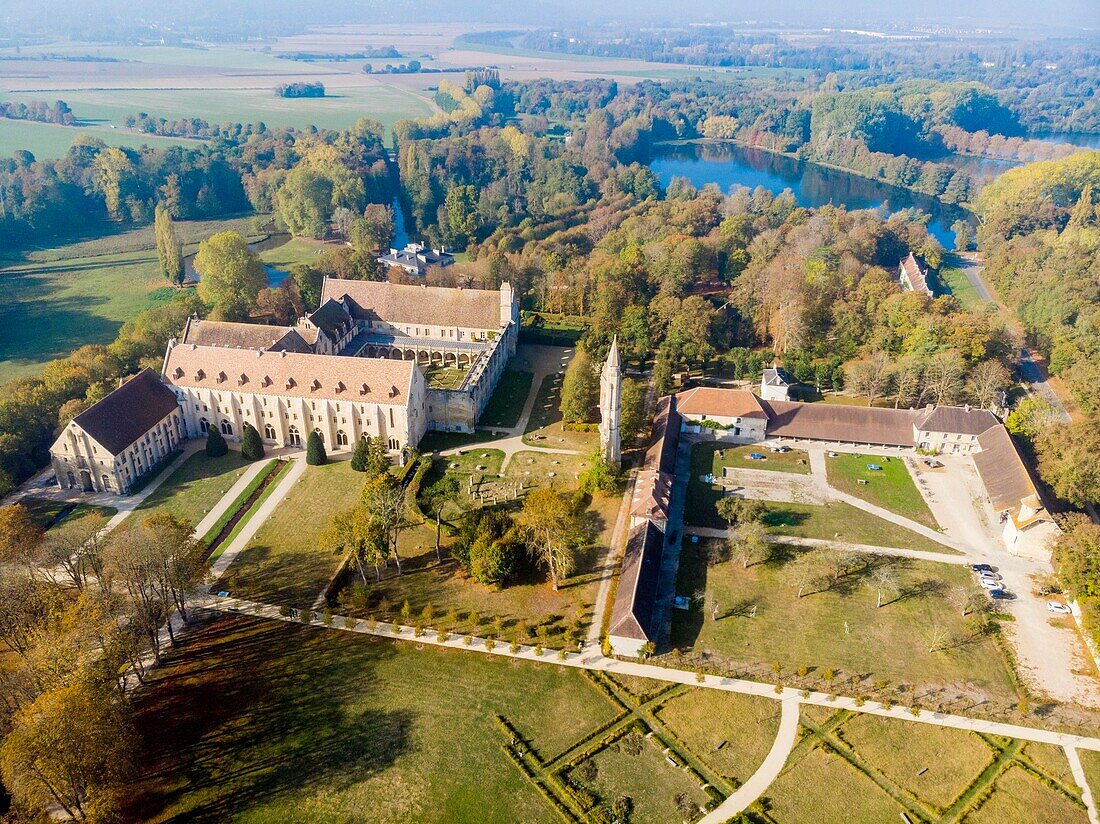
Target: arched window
204, 425
269, 432
294, 436
106, 482
341, 438
227, 428
393, 444
320, 434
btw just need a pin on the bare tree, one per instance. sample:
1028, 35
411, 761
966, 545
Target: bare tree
885, 578
804, 572
869, 376
74, 546
749, 544
907, 381
987, 380
943, 377
938, 638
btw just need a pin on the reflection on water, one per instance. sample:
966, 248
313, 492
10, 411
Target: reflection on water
728, 165
1090, 140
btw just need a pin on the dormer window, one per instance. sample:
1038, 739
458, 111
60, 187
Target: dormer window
177, 373
340, 387
314, 385
394, 392
200, 375
364, 389
242, 379
222, 377
290, 383
266, 381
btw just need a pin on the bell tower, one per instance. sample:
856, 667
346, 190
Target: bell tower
611, 406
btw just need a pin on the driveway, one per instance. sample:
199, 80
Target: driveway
1036, 380
956, 496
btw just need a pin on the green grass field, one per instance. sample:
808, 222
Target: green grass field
194, 488
444, 377
838, 624
891, 488
1090, 761
961, 288
66, 296
506, 403
1019, 796
284, 563
545, 426
477, 465
48, 513
47, 141
711, 457
269, 722
838, 521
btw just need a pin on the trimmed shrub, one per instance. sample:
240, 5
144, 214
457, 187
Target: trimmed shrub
252, 448
315, 450
215, 443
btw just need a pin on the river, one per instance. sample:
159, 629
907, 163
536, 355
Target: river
729, 164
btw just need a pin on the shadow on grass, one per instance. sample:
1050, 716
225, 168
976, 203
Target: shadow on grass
229, 729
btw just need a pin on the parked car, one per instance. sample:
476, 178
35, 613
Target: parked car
783, 450
991, 575
1058, 607
989, 583
981, 567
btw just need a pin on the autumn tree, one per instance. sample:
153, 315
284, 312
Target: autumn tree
749, 543
169, 248
580, 391
231, 275
1067, 461
75, 546
869, 376
734, 510
632, 421
804, 572
20, 538
112, 173
943, 376
987, 381
370, 456
353, 532
383, 499
885, 580
553, 532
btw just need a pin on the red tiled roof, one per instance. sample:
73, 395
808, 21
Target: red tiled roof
727, 403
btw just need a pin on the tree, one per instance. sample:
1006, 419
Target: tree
885, 579
632, 419
315, 450
169, 248
804, 572
907, 380
352, 531
252, 448
662, 373
20, 537
231, 275
71, 747
938, 638
988, 380
869, 376
749, 544
1067, 461
1032, 417
384, 500
552, 531
75, 545
580, 390
735, 510
943, 376
304, 202
112, 172
370, 456
1077, 551
215, 443
964, 235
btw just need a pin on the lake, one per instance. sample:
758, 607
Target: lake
728, 165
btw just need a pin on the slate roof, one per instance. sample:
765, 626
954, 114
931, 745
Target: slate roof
129, 412
331, 318
636, 596
958, 420
833, 422
331, 377
728, 403
774, 376
243, 336
431, 305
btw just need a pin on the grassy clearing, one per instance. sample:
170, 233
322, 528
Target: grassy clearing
476, 470
730, 733
48, 513
1022, 798
545, 426
960, 287
439, 441
506, 403
194, 488
823, 788
1090, 761
47, 140
711, 457
62, 297
547, 469
839, 628
841, 522
284, 563
267, 722
934, 764
294, 252
891, 488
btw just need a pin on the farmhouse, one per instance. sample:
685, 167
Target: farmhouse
109, 446
775, 384
915, 276
415, 258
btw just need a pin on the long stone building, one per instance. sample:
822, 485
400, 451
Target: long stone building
364, 364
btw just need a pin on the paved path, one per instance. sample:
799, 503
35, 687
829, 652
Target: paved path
918, 554
1082, 782
596, 661
611, 561
973, 272
227, 500
767, 772
258, 517
1035, 379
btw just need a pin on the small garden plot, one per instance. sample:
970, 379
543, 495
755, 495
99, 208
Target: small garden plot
730, 733
285, 562
1052, 760
193, 489
890, 486
506, 403
635, 767
917, 637
934, 764
1022, 798
536, 469
545, 426
823, 788
444, 377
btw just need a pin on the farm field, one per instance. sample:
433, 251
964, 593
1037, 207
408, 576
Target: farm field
890, 487
840, 626
288, 723
66, 296
284, 563
47, 141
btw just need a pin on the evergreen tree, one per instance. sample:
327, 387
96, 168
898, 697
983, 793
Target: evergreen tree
370, 456
252, 448
169, 249
580, 389
315, 450
215, 443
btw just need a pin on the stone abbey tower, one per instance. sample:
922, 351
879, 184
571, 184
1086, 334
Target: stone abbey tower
611, 406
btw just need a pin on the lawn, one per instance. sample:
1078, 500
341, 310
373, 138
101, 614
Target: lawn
842, 522
934, 764
444, 377
1052, 760
1090, 761
527, 607
891, 488
438, 441
284, 563
476, 470
838, 627
960, 287
730, 733
62, 297
255, 721
546, 469
194, 488
1020, 797
822, 788
506, 403
651, 783
545, 426
294, 252
48, 513
711, 457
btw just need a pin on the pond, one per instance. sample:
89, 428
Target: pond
728, 165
